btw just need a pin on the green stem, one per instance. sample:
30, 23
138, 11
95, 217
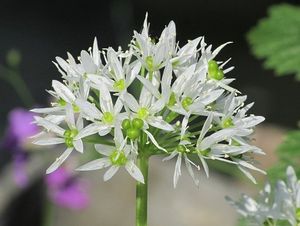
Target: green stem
19, 85
142, 191
48, 214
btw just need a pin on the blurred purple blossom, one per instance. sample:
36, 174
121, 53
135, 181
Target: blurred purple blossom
67, 190
20, 128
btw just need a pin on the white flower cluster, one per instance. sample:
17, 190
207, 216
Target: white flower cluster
154, 98
282, 205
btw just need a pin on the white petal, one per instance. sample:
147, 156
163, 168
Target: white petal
89, 110
248, 174
110, 172
95, 165
59, 161
104, 149
88, 130
105, 99
96, 55
205, 127
49, 126
154, 141
78, 145
131, 102
172, 155
49, 141
47, 110
211, 96
149, 86
134, 171
217, 50
245, 164
190, 170
70, 119
216, 137
159, 123
205, 166
63, 91
250, 121
104, 129
87, 62
115, 64
177, 171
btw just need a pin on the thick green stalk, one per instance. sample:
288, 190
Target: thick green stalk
142, 191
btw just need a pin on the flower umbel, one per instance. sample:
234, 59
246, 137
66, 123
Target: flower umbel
183, 105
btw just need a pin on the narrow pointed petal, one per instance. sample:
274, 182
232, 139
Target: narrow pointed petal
87, 62
160, 123
154, 141
104, 149
95, 165
59, 161
110, 172
177, 171
49, 125
134, 171
49, 141
78, 145
63, 91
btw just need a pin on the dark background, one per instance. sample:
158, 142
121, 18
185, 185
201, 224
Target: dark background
42, 30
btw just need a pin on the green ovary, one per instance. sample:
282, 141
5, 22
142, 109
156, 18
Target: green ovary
186, 102
61, 102
204, 152
118, 158
227, 123
119, 85
214, 72
76, 109
172, 100
149, 62
108, 118
143, 113
69, 136
181, 149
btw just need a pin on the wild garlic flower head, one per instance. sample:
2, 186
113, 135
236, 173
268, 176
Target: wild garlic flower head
280, 205
153, 98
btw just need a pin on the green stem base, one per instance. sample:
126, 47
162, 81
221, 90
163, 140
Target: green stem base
142, 192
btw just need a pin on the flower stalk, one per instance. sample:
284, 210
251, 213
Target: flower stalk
142, 191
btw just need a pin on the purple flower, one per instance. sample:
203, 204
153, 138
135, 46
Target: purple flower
67, 190
19, 129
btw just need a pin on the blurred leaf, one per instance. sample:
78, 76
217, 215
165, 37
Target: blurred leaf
288, 154
277, 39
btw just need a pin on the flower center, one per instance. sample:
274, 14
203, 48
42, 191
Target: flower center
214, 72
181, 149
108, 118
61, 102
204, 152
149, 62
226, 123
76, 109
119, 85
186, 102
172, 100
118, 158
69, 136
143, 113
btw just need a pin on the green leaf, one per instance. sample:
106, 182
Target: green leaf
277, 40
289, 154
